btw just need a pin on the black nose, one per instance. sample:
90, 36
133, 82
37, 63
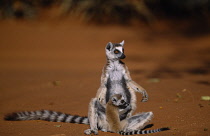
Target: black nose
122, 56
122, 101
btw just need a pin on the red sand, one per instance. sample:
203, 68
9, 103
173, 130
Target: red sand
57, 65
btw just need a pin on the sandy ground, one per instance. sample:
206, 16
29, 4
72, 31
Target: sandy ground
57, 66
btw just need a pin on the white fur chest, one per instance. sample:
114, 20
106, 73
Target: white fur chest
115, 71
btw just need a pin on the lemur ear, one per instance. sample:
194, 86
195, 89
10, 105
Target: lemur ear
109, 46
122, 43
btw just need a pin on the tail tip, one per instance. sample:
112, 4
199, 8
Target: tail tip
10, 117
165, 129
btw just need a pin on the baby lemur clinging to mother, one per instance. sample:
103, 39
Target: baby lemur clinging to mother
112, 113
123, 127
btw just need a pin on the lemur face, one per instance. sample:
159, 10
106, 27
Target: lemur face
118, 101
115, 51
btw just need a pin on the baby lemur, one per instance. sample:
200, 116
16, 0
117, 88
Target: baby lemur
112, 113
113, 121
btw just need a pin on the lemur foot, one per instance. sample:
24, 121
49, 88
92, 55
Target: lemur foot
144, 100
104, 130
90, 131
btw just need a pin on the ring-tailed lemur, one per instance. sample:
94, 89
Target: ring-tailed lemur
123, 127
115, 79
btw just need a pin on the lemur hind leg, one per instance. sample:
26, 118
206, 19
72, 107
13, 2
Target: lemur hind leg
97, 117
93, 117
138, 121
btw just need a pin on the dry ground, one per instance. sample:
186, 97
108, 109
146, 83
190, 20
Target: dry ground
57, 65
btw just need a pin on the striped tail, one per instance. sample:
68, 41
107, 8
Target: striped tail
143, 131
46, 115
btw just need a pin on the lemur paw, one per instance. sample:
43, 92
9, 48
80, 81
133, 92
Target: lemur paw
144, 100
104, 130
90, 131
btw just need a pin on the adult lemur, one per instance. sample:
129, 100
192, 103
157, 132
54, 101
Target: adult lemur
115, 79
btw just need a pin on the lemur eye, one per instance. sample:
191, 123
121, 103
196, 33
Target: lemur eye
116, 51
114, 100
